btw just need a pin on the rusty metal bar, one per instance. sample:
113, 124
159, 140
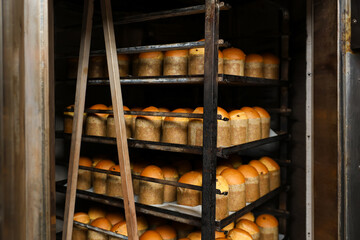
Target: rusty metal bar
210, 122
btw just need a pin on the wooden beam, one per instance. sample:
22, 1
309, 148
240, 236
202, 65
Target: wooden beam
25, 121
123, 151
78, 118
12, 161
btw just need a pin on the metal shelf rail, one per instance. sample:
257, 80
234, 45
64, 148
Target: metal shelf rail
223, 79
223, 152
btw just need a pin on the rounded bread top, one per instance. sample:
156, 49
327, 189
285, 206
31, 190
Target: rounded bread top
221, 184
229, 227
248, 226
198, 110
256, 58
192, 177
150, 109
221, 168
151, 235
82, 217
105, 164
267, 221
96, 212
248, 171
201, 50
115, 217
223, 113
270, 163
152, 171
85, 161
239, 234
194, 235
233, 54
262, 112
166, 232
177, 119
237, 114
120, 228
249, 216
250, 112
177, 53
115, 168
102, 223
100, 107
270, 58
233, 177
260, 167
154, 55
170, 172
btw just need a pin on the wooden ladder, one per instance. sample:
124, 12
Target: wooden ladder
116, 96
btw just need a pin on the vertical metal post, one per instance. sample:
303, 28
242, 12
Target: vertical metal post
78, 118
210, 122
309, 122
284, 99
120, 129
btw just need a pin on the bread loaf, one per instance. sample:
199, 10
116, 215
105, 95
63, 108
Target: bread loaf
150, 64
271, 66
151, 192
96, 122
254, 64
252, 190
236, 181
176, 62
234, 61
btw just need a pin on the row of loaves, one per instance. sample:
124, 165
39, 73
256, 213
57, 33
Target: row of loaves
232, 61
244, 125
264, 227
238, 186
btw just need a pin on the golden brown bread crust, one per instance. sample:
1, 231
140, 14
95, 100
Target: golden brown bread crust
167, 232
152, 171
153, 55
248, 226
269, 58
151, 235
233, 177
239, 234
254, 58
249, 216
82, 217
233, 53
102, 223
186, 196
115, 217
96, 212
248, 171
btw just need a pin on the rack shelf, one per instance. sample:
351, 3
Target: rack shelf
186, 11
169, 213
223, 79
170, 147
